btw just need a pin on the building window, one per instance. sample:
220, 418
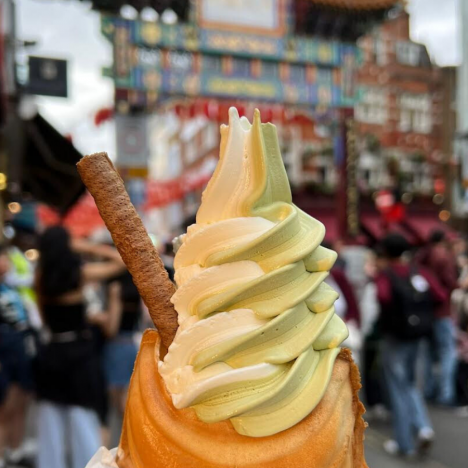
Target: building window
415, 113
180, 61
297, 73
373, 106
408, 53
211, 63
270, 69
381, 52
240, 67
324, 76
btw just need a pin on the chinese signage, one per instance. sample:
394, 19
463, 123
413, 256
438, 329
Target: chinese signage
190, 37
190, 61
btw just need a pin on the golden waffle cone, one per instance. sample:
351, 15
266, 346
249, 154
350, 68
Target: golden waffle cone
156, 435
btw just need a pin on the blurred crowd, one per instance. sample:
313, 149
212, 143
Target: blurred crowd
70, 324
407, 314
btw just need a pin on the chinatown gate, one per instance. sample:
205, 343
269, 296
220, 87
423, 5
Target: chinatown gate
295, 60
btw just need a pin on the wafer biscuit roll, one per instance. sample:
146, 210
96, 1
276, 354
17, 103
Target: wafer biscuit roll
132, 241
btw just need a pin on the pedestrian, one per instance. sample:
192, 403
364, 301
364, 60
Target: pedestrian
460, 307
374, 392
439, 259
16, 379
69, 371
346, 307
407, 296
120, 324
462, 368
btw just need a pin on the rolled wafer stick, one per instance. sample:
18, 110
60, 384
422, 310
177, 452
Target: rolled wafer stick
132, 241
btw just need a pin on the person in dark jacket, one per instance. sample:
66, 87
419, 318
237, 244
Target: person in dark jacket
405, 293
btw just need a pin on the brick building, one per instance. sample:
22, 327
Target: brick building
400, 112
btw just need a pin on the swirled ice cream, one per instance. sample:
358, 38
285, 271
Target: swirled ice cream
258, 335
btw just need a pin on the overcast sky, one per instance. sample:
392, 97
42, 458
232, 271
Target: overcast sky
434, 23
69, 29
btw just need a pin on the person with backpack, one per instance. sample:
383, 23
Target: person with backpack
407, 297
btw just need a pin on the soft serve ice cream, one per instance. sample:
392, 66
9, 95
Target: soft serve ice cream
258, 335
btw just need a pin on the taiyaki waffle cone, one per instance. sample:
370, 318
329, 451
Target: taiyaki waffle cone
155, 433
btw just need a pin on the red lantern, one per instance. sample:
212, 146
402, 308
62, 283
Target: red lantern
192, 111
240, 109
396, 214
103, 115
439, 185
392, 211
212, 109
267, 114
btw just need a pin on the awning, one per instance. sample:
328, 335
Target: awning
48, 166
422, 225
400, 228
373, 226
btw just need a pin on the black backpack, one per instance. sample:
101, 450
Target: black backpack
410, 315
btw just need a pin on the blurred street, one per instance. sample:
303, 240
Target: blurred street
450, 449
